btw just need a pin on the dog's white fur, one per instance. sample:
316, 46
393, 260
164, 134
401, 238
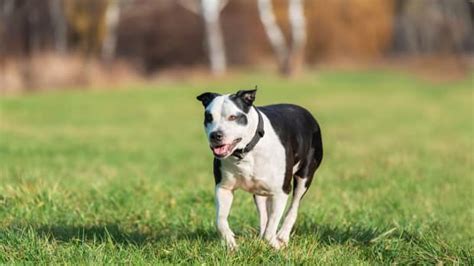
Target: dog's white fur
220, 109
254, 173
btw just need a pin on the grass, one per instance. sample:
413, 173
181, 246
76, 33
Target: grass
125, 176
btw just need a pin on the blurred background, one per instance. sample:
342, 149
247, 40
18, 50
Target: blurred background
78, 43
113, 166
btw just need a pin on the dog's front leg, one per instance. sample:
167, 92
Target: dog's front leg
224, 199
261, 204
278, 203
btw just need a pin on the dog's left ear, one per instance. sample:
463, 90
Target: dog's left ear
207, 97
247, 96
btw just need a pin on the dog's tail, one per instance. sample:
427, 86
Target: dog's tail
317, 144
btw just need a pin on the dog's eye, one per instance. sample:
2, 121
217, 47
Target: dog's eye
232, 118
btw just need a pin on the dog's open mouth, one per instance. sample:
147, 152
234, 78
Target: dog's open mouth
224, 150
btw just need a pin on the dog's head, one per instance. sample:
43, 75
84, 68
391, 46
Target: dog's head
229, 120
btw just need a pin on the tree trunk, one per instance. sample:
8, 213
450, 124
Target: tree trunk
112, 18
35, 37
6, 12
290, 57
59, 25
429, 26
298, 36
210, 10
274, 33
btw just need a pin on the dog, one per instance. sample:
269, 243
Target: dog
260, 150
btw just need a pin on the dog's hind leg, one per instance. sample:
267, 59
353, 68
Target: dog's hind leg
290, 219
261, 204
301, 182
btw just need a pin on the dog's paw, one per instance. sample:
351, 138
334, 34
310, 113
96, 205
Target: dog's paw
230, 242
232, 245
283, 237
276, 243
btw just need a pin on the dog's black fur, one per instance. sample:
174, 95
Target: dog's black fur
300, 134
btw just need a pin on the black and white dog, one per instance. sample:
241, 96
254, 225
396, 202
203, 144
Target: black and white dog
261, 150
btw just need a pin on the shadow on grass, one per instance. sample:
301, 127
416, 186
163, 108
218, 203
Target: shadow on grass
417, 248
370, 239
326, 234
353, 234
115, 234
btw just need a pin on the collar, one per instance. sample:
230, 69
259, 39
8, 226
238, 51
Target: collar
240, 153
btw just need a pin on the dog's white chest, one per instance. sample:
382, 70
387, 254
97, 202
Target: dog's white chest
261, 171
245, 175
256, 186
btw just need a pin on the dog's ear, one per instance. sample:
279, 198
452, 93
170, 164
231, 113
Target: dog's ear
207, 97
247, 96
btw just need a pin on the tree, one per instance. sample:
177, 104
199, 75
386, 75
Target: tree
112, 18
86, 19
290, 56
210, 11
433, 26
59, 25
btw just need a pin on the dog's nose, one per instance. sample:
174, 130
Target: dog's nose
217, 135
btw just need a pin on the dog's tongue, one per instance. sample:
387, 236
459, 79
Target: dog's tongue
221, 150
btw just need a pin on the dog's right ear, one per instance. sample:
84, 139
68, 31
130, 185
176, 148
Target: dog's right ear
207, 97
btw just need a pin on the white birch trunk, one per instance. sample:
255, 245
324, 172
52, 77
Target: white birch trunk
210, 10
112, 18
273, 31
59, 25
298, 35
289, 56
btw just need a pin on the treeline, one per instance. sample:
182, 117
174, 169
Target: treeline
158, 34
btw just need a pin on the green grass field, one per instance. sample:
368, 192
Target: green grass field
125, 176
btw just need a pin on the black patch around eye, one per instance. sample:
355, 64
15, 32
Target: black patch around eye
207, 118
241, 119
240, 103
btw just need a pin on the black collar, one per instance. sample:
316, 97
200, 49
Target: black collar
240, 153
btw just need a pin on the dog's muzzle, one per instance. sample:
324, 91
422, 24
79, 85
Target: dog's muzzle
224, 150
